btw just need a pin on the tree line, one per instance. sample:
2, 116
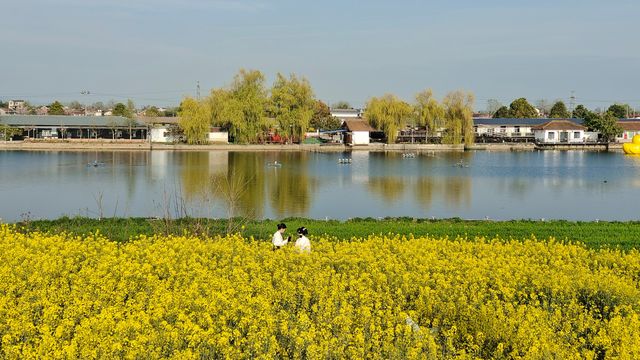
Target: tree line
125, 109
252, 113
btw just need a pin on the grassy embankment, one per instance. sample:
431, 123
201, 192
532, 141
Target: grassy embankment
622, 235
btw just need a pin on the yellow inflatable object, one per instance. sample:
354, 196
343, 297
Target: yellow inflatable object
633, 147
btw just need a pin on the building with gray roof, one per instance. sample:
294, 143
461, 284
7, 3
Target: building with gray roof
76, 127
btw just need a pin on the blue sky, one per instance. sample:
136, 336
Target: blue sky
154, 51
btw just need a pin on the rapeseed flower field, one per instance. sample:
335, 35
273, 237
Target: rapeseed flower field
379, 297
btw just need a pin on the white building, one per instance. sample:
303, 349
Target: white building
506, 127
560, 132
218, 136
357, 132
160, 131
346, 113
161, 134
629, 129
16, 105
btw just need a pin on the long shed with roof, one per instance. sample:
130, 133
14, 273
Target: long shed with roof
76, 127
511, 127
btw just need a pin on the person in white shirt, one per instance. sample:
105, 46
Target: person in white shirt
303, 244
278, 241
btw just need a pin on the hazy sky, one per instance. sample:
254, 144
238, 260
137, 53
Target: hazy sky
155, 51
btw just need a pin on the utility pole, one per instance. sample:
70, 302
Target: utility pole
198, 89
86, 92
572, 101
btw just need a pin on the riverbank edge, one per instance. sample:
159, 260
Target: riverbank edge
145, 146
594, 234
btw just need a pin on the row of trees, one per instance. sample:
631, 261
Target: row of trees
521, 108
127, 109
248, 110
453, 116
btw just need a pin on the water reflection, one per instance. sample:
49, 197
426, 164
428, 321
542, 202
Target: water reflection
390, 188
572, 185
243, 183
290, 187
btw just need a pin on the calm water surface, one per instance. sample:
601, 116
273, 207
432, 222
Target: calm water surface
569, 185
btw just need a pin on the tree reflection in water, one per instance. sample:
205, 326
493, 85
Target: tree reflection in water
241, 182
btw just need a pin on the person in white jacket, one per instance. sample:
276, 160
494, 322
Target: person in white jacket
278, 241
303, 244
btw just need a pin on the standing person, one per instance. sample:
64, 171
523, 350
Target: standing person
278, 241
303, 244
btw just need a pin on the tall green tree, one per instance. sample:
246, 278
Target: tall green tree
241, 107
590, 119
428, 112
56, 108
620, 111
520, 108
559, 111
292, 105
128, 112
502, 112
226, 111
607, 125
322, 118
195, 120
120, 109
458, 117
580, 112
152, 111
389, 114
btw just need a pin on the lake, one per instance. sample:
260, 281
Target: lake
572, 185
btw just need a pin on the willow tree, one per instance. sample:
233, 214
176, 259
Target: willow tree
458, 116
292, 105
195, 120
241, 106
249, 91
428, 112
389, 114
226, 111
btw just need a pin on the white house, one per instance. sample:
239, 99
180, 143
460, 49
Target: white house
357, 132
560, 131
218, 136
629, 129
161, 134
160, 131
16, 105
